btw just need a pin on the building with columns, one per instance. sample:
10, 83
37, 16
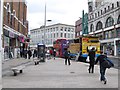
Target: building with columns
104, 21
15, 27
52, 33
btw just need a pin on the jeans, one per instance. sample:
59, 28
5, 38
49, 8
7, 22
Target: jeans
102, 72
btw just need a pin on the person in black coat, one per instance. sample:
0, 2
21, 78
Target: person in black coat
66, 55
29, 54
100, 58
91, 55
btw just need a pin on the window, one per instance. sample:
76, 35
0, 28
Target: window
98, 13
90, 8
106, 35
57, 34
14, 13
99, 25
118, 21
54, 35
65, 29
65, 35
117, 4
91, 28
109, 22
112, 6
95, 15
101, 12
105, 10
61, 29
68, 35
61, 35
68, 29
8, 7
108, 7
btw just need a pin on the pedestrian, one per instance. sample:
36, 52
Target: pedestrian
51, 52
101, 59
91, 55
66, 55
25, 54
34, 53
29, 54
54, 53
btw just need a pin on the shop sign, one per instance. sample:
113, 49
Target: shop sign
12, 35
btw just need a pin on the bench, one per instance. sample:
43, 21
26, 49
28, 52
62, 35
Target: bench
18, 69
36, 61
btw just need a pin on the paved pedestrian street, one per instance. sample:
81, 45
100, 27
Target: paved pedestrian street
54, 74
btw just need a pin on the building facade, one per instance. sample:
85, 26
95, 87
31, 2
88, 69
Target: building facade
104, 22
78, 28
52, 33
15, 27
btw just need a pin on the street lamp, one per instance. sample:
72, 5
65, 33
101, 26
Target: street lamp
44, 37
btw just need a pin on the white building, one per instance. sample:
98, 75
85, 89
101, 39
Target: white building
52, 33
104, 21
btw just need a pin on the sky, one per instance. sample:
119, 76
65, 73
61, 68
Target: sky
59, 11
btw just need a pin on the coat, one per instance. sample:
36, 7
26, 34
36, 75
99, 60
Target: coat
91, 55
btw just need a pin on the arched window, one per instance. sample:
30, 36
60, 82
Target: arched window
109, 22
118, 21
99, 25
91, 28
90, 8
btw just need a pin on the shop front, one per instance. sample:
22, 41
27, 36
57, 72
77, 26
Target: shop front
109, 46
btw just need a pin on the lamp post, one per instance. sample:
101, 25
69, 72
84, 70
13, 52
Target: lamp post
44, 37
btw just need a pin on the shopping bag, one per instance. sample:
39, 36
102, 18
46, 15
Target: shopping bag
87, 60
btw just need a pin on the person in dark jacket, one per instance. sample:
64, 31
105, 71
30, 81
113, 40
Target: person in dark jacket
54, 53
100, 58
66, 55
34, 53
91, 55
29, 54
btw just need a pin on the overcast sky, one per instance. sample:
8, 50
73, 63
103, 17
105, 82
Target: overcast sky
59, 11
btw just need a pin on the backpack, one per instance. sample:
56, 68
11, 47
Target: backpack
107, 63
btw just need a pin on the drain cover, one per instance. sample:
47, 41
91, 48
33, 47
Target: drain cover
72, 72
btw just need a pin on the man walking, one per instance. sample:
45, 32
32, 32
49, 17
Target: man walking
101, 60
91, 55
